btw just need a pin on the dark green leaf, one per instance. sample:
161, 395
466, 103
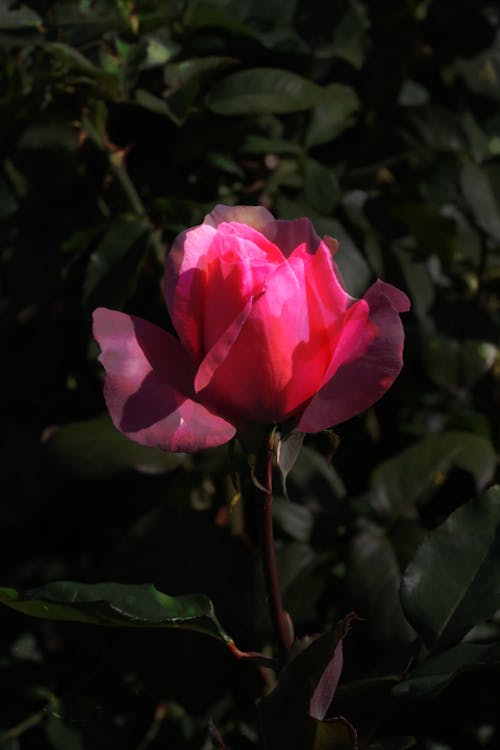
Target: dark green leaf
418, 281
14, 16
116, 605
333, 115
179, 73
8, 202
112, 269
481, 199
482, 73
95, 449
412, 94
454, 364
439, 670
263, 91
349, 41
321, 186
399, 482
452, 584
61, 736
373, 579
294, 518
335, 734
311, 465
155, 104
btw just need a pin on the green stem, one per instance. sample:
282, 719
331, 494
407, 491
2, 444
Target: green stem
264, 496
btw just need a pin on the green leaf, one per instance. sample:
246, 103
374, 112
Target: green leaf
8, 201
201, 15
454, 364
418, 281
332, 115
61, 736
350, 34
159, 106
398, 483
321, 186
258, 144
18, 17
373, 578
481, 198
179, 73
412, 94
438, 671
95, 450
112, 268
294, 518
452, 583
116, 605
263, 91
335, 734
73, 60
482, 73
159, 48
311, 466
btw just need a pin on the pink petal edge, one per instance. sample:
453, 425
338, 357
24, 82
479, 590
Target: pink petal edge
149, 386
358, 383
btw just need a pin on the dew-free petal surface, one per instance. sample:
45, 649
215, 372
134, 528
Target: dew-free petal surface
289, 234
187, 267
367, 359
184, 284
252, 216
149, 386
270, 368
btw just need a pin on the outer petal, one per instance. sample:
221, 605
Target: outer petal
366, 362
289, 234
253, 216
184, 283
148, 387
186, 269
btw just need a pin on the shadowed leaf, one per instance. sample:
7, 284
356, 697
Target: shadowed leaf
263, 91
452, 583
116, 605
94, 450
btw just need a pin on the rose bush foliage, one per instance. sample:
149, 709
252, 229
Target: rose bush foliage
267, 334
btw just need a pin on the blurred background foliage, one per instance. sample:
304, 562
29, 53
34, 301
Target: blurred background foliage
123, 123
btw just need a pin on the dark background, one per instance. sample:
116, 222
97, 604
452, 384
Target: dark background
123, 123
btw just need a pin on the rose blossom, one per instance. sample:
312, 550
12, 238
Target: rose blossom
267, 333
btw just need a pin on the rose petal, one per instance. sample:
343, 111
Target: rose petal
366, 362
149, 386
184, 284
220, 350
273, 365
252, 216
289, 234
327, 296
186, 268
239, 263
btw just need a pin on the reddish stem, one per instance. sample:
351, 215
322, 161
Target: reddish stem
264, 495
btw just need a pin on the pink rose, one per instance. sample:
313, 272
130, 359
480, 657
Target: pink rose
267, 333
